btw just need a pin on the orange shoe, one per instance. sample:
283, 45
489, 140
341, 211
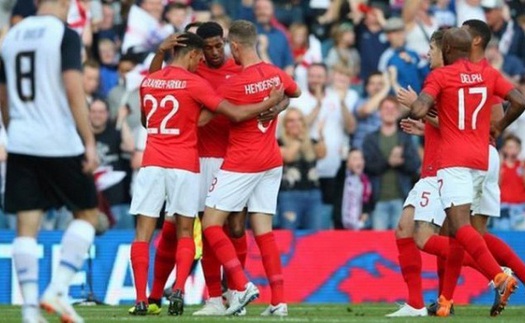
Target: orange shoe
505, 286
444, 306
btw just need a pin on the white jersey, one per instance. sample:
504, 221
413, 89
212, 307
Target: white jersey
34, 54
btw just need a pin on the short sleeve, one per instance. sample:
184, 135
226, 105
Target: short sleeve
432, 85
206, 95
502, 87
70, 50
290, 87
3, 78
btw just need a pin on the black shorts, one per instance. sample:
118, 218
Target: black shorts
42, 183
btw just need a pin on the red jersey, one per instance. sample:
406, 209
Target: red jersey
512, 186
431, 156
213, 137
465, 92
171, 100
252, 146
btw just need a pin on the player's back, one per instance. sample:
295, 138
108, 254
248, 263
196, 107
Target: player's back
252, 145
213, 137
41, 122
465, 97
170, 104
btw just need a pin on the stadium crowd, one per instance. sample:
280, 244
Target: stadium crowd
348, 164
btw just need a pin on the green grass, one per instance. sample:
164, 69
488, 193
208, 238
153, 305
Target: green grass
297, 313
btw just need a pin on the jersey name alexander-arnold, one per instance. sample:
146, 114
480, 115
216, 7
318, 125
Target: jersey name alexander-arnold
164, 84
261, 86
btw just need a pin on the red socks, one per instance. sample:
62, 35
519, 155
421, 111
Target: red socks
164, 258
476, 247
452, 269
272, 266
225, 253
441, 263
184, 259
410, 263
140, 263
241, 248
505, 255
211, 268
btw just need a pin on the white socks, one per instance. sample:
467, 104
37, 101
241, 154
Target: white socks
76, 241
25, 256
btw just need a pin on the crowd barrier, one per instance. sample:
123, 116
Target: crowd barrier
320, 267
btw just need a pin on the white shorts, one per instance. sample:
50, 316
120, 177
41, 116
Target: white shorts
424, 197
209, 169
460, 186
154, 185
490, 199
231, 191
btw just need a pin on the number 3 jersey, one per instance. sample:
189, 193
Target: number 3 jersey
172, 99
252, 146
34, 54
465, 94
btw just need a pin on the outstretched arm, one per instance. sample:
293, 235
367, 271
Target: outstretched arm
419, 109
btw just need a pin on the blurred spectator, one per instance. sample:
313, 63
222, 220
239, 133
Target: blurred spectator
399, 56
468, 9
125, 93
511, 66
275, 48
300, 202
5, 12
391, 161
114, 144
107, 28
322, 105
419, 26
377, 87
107, 52
521, 22
511, 36
145, 28
22, 9
343, 52
357, 193
91, 79
512, 185
288, 12
306, 50
370, 40
177, 15
442, 13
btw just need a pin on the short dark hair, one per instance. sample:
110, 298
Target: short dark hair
210, 29
192, 41
243, 32
437, 38
320, 64
193, 24
479, 28
369, 77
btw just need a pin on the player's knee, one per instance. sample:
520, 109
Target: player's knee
421, 239
403, 231
90, 215
237, 230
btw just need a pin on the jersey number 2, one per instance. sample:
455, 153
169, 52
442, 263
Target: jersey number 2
164, 130
25, 75
461, 105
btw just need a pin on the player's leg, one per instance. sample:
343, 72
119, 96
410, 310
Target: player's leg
164, 263
148, 198
237, 234
262, 205
211, 266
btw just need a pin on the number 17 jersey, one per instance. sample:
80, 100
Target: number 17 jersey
465, 92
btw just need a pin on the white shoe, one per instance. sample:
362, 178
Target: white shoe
506, 270
406, 310
31, 314
58, 304
212, 307
241, 299
228, 295
280, 309
241, 312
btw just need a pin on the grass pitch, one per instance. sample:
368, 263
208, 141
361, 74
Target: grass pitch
297, 313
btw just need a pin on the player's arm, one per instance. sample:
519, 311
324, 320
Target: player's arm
72, 77
204, 117
420, 107
248, 111
273, 112
165, 47
516, 108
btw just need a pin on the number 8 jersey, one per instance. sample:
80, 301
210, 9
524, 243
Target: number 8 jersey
465, 93
172, 99
34, 54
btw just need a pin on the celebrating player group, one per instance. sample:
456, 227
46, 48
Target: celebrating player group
458, 190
